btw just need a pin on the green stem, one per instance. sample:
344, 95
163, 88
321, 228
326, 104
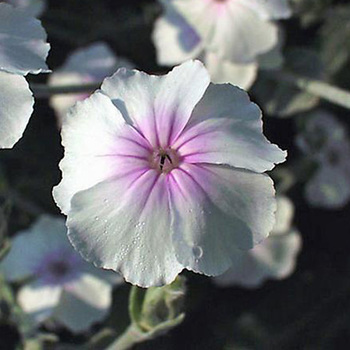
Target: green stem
315, 87
128, 339
45, 91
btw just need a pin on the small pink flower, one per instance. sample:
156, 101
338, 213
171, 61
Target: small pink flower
58, 284
163, 173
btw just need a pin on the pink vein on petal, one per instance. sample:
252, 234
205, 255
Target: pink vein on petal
184, 142
145, 147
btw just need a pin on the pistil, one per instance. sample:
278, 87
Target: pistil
164, 160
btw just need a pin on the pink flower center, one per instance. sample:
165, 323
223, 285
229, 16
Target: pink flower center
58, 268
164, 160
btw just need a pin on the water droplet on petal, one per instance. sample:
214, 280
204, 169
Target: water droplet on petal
197, 252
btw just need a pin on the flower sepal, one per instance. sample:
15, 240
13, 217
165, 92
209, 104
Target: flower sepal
153, 312
156, 310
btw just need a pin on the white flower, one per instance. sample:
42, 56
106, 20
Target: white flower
32, 7
23, 50
228, 35
329, 187
163, 173
321, 129
63, 286
324, 140
273, 258
87, 65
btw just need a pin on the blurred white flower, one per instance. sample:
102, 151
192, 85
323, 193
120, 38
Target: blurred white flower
61, 286
274, 258
329, 187
87, 65
163, 173
32, 7
23, 50
324, 140
320, 130
227, 35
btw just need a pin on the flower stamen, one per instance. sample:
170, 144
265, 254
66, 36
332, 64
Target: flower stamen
164, 160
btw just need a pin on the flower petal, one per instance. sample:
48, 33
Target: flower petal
216, 211
321, 131
96, 137
284, 215
234, 32
159, 107
16, 107
32, 7
39, 300
62, 102
97, 60
273, 258
109, 276
22, 41
124, 224
273, 59
175, 40
30, 246
83, 302
87, 65
226, 128
328, 188
268, 9
222, 71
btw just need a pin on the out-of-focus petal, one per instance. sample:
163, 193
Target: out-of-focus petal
83, 302
275, 258
39, 300
273, 59
32, 7
16, 107
62, 103
328, 188
124, 224
222, 71
284, 215
216, 211
234, 32
110, 276
22, 41
322, 129
96, 60
86, 65
158, 107
175, 40
226, 128
30, 246
268, 9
